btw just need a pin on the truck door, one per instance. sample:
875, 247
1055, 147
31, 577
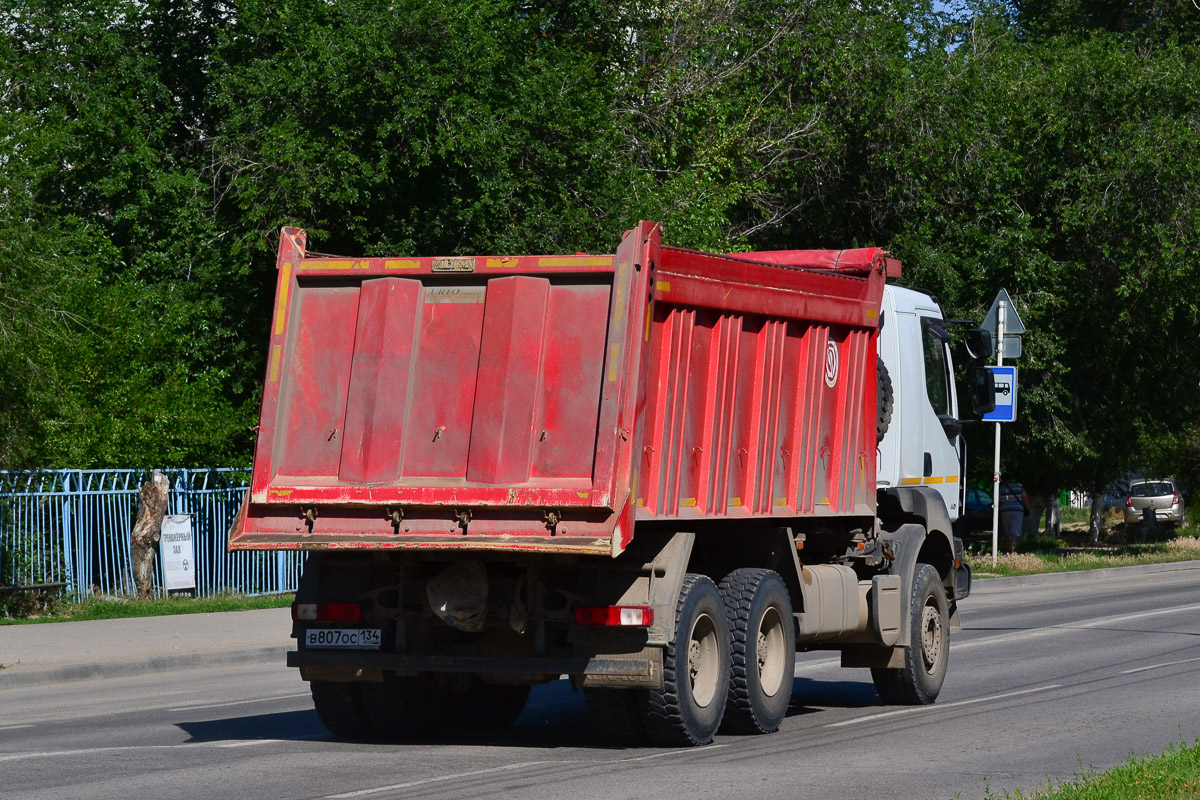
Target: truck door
940, 449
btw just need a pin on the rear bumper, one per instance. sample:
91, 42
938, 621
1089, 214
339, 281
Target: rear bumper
1172, 515
642, 669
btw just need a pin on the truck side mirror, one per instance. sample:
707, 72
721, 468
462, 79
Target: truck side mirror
979, 343
983, 388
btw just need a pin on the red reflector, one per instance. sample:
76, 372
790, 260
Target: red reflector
615, 616
327, 612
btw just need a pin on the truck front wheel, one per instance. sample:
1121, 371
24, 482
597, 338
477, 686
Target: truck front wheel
688, 709
763, 639
919, 681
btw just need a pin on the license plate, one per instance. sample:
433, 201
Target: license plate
343, 638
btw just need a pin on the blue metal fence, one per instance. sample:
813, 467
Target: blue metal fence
73, 526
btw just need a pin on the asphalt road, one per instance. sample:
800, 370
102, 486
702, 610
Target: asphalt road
1048, 677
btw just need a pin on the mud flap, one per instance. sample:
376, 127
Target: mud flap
962, 572
872, 656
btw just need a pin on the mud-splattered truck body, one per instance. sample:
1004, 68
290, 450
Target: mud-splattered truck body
659, 473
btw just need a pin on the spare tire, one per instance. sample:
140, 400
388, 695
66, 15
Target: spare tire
884, 400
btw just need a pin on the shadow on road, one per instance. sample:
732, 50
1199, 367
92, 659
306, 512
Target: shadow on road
283, 725
809, 696
554, 717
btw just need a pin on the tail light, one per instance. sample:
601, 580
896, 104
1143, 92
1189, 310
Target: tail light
615, 616
327, 612
1129, 501
1175, 499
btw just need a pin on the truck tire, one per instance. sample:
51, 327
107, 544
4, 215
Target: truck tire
688, 710
615, 716
405, 708
919, 681
488, 706
341, 709
885, 400
763, 650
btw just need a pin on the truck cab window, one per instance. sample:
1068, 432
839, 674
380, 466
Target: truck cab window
937, 372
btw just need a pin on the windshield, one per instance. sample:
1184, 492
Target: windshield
1151, 489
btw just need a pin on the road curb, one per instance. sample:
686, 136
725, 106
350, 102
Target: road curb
14, 677
1089, 574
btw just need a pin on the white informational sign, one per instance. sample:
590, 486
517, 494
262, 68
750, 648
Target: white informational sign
1006, 395
177, 553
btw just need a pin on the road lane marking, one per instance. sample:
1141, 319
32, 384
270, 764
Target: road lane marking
442, 778
707, 749
1067, 627
140, 747
1160, 666
974, 701
83, 752
239, 702
14, 727
507, 768
249, 742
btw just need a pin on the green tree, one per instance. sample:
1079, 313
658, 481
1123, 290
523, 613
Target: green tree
101, 120
421, 126
1065, 170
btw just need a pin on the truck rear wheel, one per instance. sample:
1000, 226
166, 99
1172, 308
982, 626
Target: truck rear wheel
763, 650
688, 709
488, 706
404, 708
919, 681
341, 709
615, 716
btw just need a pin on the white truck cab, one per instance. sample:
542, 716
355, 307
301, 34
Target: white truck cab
921, 445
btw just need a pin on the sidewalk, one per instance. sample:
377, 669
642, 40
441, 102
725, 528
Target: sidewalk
53, 652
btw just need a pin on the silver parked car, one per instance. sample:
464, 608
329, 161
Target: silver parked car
1160, 495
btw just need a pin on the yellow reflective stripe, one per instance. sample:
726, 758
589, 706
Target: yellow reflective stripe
285, 286
575, 261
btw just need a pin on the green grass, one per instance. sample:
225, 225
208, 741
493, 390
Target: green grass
1063, 559
1174, 775
66, 610
1119, 546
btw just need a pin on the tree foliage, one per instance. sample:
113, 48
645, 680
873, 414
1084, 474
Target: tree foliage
1067, 172
152, 150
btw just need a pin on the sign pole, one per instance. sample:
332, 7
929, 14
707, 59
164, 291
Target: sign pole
1001, 313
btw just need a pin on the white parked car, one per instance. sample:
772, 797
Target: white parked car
1161, 495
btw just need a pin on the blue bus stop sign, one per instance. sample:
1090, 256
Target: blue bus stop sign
1006, 395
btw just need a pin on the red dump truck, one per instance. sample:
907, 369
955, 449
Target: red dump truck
660, 473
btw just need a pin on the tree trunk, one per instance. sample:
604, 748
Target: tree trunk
1096, 524
1052, 523
1037, 507
152, 502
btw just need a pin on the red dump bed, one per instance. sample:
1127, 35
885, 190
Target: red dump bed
547, 403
